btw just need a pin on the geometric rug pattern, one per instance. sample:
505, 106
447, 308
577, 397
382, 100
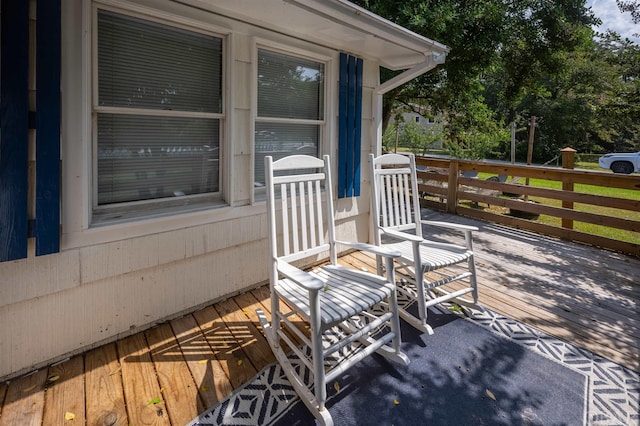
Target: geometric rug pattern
613, 391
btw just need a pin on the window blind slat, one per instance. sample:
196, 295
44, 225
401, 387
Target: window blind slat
281, 139
142, 64
142, 157
289, 87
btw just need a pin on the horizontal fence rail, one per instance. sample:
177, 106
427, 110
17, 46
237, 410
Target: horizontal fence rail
501, 193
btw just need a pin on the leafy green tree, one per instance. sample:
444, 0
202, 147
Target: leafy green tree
391, 136
633, 7
522, 41
591, 104
409, 134
419, 138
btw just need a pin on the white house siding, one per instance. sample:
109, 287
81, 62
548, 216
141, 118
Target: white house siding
111, 281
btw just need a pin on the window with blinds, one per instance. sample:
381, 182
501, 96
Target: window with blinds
290, 108
158, 111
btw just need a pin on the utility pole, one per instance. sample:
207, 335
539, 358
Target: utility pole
395, 148
513, 142
532, 126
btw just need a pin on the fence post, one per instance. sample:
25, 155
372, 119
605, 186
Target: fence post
452, 194
568, 162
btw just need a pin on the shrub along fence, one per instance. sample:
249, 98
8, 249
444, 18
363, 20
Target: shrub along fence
506, 197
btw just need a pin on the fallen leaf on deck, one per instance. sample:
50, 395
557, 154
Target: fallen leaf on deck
53, 378
29, 389
204, 388
336, 386
396, 402
202, 361
326, 287
115, 371
491, 395
154, 401
239, 362
69, 416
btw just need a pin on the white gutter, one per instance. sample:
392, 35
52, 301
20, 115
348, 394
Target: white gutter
350, 15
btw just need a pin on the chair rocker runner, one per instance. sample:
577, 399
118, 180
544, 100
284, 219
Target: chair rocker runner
428, 269
348, 314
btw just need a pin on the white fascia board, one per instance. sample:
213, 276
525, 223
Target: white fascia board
430, 63
336, 24
367, 21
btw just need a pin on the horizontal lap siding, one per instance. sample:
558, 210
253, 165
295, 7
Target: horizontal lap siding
99, 311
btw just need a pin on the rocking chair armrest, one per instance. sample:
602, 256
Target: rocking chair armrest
449, 225
402, 235
378, 250
300, 277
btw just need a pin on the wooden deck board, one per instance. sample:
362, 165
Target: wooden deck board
64, 396
144, 401
24, 402
232, 358
176, 384
3, 392
104, 391
580, 294
213, 383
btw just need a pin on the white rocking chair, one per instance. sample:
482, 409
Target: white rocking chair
427, 268
335, 302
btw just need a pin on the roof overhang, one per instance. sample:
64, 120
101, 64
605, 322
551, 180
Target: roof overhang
337, 24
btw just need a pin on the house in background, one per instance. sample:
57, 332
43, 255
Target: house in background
132, 139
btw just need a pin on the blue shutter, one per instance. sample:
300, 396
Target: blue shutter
14, 128
47, 226
349, 126
15, 124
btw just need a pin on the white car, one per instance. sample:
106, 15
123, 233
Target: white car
621, 162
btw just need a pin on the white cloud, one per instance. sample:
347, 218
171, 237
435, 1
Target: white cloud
612, 18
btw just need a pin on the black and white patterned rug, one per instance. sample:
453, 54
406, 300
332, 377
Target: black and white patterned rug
539, 380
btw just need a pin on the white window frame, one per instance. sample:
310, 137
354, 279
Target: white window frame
258, 193
136, 210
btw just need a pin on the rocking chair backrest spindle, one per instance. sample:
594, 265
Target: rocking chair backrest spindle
303, 216
396, 204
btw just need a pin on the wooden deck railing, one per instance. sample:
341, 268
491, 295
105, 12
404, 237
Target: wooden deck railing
505, 198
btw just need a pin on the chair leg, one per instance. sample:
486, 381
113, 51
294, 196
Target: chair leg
394, 353
419, 276
317, 357
306, 396
421, 321
473, 280
416, 322
379, 268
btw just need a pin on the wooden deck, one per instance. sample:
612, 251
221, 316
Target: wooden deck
172, 372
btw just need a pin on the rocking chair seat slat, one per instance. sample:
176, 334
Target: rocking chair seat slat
346, 293
433, 255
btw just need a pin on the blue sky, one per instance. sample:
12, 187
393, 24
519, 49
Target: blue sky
608, 12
